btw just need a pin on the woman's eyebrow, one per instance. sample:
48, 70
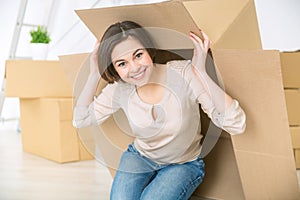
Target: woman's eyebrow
137, 51
120, 60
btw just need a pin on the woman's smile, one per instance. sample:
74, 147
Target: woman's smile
139, 75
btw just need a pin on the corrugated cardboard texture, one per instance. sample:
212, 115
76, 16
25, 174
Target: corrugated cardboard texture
293, 106
295, 133
30, 79
228, 23
290, 63
264, 152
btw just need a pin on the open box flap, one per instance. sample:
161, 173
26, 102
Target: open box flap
264, 152
228, 23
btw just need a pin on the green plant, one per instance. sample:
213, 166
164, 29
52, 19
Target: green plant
40, 35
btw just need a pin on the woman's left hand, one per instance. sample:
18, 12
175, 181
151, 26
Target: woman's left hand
200, 51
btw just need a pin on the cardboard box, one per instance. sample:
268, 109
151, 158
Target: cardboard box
228, 23
290, 63
266, 141
293, 105
256, 165
46, 109
47, 130
33, 79
295, 134
246, 160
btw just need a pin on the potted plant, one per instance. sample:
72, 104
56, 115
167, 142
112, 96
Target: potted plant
40, 40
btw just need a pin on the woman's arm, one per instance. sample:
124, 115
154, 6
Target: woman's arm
223, 110
90, 109
87, 94
83, 114
220, 99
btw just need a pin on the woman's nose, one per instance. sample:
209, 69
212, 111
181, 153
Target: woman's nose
133, 67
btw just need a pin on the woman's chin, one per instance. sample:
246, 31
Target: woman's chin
140, 83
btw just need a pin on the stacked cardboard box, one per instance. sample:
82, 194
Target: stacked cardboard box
46, 104
290, 62
256, 165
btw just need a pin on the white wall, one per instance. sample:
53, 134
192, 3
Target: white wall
8, 16
279, 22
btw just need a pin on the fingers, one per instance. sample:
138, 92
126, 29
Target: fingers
205, 44
97, 44
196, 39
206, 40
94, 54
96, 47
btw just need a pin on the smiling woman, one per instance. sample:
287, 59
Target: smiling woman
161, 103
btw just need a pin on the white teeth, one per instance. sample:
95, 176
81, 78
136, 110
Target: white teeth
138, 75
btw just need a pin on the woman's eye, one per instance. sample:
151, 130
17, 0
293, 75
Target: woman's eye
122, 64
138, 55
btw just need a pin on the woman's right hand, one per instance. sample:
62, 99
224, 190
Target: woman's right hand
94, 69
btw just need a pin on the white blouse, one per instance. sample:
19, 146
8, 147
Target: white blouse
174, 135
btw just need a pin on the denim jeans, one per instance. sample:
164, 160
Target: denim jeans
140, 178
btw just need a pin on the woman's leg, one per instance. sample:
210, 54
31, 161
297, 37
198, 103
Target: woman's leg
133, 175
176, 181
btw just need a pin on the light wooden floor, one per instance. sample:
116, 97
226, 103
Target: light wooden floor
27, 177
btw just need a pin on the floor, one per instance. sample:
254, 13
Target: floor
27, 177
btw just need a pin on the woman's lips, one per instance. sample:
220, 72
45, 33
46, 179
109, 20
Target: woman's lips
139, 75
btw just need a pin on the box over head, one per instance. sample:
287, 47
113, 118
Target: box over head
228, 23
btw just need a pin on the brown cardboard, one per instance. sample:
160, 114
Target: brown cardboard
72, 65
293, 105
295, 134
297, 158
290, 63
266, 142
31, 79
84, 153
247, 165
228, 23
39, 84
47, 130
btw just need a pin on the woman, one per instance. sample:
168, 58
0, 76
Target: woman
161, 102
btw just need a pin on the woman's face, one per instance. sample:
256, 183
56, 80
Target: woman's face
132, 62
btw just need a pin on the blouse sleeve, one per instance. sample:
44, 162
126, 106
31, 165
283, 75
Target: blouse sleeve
99, 110
232, 120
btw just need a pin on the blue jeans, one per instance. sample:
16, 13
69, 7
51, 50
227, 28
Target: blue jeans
140, 178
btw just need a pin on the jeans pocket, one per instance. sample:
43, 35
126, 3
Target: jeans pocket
131, 148
200, 162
